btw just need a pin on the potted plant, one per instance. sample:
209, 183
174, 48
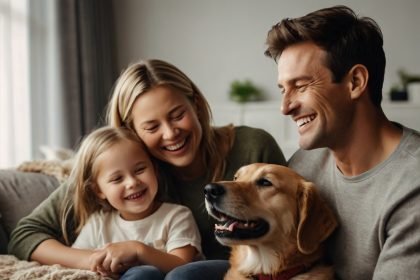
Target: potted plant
244, 91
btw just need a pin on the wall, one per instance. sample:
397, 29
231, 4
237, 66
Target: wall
218, 41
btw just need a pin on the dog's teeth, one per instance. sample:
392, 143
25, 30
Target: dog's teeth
228, 226
228, 223
218, 227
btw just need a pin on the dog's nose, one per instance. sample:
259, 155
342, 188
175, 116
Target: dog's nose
213, 191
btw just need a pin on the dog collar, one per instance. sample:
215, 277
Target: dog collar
284, 275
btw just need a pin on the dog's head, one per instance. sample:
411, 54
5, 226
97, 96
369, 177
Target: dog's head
269, 204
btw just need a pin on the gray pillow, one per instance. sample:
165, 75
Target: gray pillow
20, 193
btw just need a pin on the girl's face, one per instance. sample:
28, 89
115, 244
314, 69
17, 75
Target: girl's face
126, 179
167, 123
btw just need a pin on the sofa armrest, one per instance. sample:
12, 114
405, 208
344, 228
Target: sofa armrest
20, 193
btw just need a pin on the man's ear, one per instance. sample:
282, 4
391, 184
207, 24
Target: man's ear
358, 80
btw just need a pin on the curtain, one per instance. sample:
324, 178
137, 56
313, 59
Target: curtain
88, 72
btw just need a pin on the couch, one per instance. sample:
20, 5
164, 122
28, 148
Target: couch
20, 193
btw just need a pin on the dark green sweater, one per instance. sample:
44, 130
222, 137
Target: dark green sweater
250, 145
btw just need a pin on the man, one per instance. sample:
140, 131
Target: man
331, 68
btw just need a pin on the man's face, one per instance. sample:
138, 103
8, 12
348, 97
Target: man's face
321, 109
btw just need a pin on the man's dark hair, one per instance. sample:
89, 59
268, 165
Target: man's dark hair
346, 38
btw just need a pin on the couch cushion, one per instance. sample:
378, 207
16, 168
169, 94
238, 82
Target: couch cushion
20, 193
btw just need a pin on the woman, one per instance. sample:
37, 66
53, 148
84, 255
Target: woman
172, 117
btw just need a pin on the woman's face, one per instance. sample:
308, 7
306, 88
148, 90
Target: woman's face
167, 122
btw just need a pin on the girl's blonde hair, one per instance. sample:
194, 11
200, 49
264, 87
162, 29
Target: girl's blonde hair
82, 180
148, 74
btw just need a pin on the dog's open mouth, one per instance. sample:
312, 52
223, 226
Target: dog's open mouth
234, 228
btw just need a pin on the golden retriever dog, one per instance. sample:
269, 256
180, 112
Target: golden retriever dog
274, 221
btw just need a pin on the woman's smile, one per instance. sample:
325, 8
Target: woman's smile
176, 146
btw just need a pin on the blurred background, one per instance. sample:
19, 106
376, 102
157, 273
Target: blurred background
60, 58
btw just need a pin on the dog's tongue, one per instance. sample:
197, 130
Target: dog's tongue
232, 225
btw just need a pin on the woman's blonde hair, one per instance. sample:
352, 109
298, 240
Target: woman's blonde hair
82, 180
145, 75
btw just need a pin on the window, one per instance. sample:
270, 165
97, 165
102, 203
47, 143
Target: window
15, 139
31, 103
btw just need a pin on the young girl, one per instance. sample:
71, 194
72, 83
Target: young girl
117, 209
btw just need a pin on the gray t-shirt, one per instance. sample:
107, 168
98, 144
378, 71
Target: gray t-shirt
378, 211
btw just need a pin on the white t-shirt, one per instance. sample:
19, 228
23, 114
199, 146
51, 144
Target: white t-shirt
170, 227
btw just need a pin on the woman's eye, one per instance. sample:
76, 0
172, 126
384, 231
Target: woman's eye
179, 116
150, 128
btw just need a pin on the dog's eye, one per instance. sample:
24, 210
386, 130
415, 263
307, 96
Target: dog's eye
263, 182
235, 177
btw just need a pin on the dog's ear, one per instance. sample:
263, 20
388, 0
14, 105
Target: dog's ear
316, 220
